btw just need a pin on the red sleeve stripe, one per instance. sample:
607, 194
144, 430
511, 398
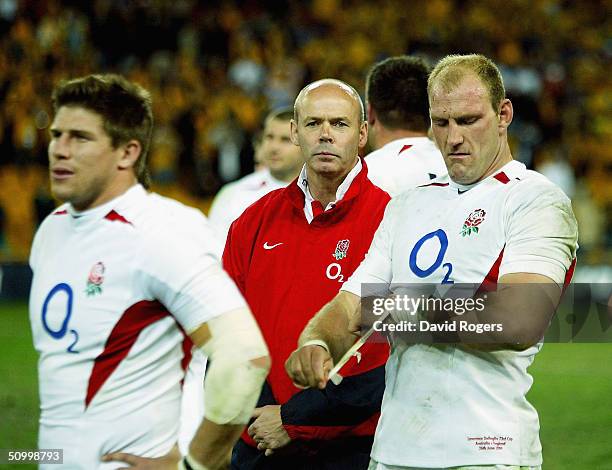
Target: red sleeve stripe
123, 336
187, 346
490, 281
569, 274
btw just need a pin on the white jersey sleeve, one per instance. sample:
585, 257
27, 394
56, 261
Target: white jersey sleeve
541, 232
182, 270
376, 266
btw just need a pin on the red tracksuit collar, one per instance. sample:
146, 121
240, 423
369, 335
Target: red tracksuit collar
297, 198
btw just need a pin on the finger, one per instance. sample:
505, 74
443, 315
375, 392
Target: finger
301, 387
289, 365
328, 365
252, 430
319, 361
269, 452
273, 445
294, 368
306, 365
257, 412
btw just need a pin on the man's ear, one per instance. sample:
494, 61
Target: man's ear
371, 114
294, 133
363, 134
130, 152
506, 113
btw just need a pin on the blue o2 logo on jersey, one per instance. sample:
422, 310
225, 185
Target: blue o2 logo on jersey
425, 271
63, 329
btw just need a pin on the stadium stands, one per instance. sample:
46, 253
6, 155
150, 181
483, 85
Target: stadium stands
215, 69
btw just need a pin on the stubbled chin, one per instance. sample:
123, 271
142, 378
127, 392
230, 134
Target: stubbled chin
60, 189
326, 166
459, 174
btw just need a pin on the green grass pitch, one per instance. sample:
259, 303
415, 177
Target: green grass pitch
572, 392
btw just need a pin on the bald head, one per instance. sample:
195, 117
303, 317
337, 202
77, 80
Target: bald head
329, 85
329, 127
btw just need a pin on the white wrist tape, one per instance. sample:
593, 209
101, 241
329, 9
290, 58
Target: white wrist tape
316, 342
233, 383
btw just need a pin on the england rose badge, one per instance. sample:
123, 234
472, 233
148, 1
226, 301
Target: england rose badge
95, 279
341, 249
472, 222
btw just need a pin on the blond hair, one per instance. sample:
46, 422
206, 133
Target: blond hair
453, 68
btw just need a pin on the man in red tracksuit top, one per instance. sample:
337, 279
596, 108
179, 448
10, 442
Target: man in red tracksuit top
289, 254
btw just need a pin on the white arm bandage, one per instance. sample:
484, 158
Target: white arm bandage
233, 383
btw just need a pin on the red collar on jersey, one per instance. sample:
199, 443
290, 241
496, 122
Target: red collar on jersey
115, 216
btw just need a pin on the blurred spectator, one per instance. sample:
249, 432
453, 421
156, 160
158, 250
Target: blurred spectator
216, 67
552, 164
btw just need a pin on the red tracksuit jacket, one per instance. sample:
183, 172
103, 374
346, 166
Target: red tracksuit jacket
287, 270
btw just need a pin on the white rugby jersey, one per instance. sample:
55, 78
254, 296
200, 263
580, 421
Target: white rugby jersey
441, 402
235, 197
404, 164
114, 288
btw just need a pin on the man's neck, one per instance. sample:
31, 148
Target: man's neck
504, 156
384, 135
323, 187
115, 189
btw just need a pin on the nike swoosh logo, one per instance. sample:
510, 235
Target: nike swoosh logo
269, 247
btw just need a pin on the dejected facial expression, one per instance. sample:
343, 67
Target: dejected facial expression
329, 131
83, 164
278, 152
470, 134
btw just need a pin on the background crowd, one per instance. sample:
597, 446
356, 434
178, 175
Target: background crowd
215, 68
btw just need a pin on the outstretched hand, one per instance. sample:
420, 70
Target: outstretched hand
309, 366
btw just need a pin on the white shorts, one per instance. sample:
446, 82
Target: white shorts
85, 441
